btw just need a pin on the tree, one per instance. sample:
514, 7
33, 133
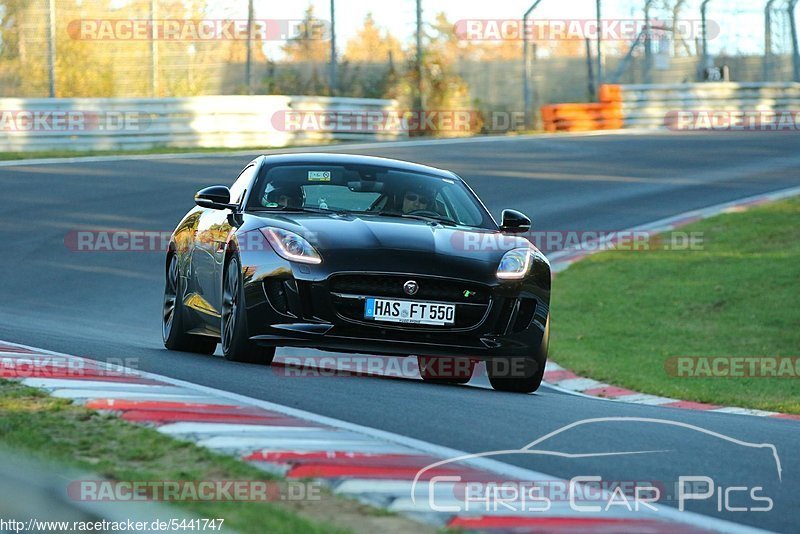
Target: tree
10, 15
311, 44
444, 89
371, 44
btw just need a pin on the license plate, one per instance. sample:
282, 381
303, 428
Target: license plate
404, 311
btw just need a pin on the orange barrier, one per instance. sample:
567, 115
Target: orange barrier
610, 93
603, 115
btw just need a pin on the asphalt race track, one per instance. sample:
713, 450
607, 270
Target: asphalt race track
107, 304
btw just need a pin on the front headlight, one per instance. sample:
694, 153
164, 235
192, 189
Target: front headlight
291, 246
515, 264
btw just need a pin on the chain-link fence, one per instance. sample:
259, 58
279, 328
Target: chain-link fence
657, 42
162, 48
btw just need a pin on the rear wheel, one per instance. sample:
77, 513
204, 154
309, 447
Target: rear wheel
236, 345
446, 370
520, 374
173, 329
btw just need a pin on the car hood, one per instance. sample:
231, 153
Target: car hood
337, 234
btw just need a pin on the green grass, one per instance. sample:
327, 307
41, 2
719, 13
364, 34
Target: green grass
619, 316
58, 431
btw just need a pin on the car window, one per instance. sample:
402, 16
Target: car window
368, 189
459, 206
337, 197
242, 182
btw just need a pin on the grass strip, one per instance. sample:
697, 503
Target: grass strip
624, 317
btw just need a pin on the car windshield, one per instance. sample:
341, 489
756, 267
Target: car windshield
368, 190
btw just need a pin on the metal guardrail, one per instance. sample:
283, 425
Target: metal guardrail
35, 124
649, 106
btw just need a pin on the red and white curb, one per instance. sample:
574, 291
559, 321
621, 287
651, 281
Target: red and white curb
370, 465
568, 381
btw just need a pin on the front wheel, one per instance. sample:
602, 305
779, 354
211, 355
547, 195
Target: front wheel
173, 328
236, 345
520, 374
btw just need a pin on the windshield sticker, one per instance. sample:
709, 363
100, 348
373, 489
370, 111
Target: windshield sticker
319, 176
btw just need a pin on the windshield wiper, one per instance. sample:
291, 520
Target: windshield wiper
437, 220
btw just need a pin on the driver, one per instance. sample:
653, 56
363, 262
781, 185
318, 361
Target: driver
416, 200
284, 197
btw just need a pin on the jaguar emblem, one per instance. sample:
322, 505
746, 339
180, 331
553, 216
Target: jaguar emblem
411, 288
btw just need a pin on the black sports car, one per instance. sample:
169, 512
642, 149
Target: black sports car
362, 255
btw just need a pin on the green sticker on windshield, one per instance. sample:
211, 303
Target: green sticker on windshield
319, 176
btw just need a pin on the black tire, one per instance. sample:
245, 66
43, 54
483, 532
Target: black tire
445, 370
173, 329
522, 374
236, 345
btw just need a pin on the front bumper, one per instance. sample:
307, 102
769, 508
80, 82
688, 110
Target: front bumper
506, 320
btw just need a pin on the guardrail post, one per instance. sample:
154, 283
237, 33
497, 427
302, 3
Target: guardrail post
593, 89
648, 44
527, 97
154, 49
248, 66
51, 46
598, 10
768, 41
333, 75
704, 23
418, 66
795, 46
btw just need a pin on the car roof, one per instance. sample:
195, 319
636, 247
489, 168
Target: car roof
355, 159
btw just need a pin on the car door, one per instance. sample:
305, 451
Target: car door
213, 229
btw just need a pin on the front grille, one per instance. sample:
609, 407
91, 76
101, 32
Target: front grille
430, 289
471, 299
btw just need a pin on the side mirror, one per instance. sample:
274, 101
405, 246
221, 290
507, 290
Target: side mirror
216, 197
514, 222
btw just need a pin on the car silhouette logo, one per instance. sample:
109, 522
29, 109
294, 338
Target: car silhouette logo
411, 288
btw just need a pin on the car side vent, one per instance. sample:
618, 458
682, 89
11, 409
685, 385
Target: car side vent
525, 313
276, 293
505, 315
